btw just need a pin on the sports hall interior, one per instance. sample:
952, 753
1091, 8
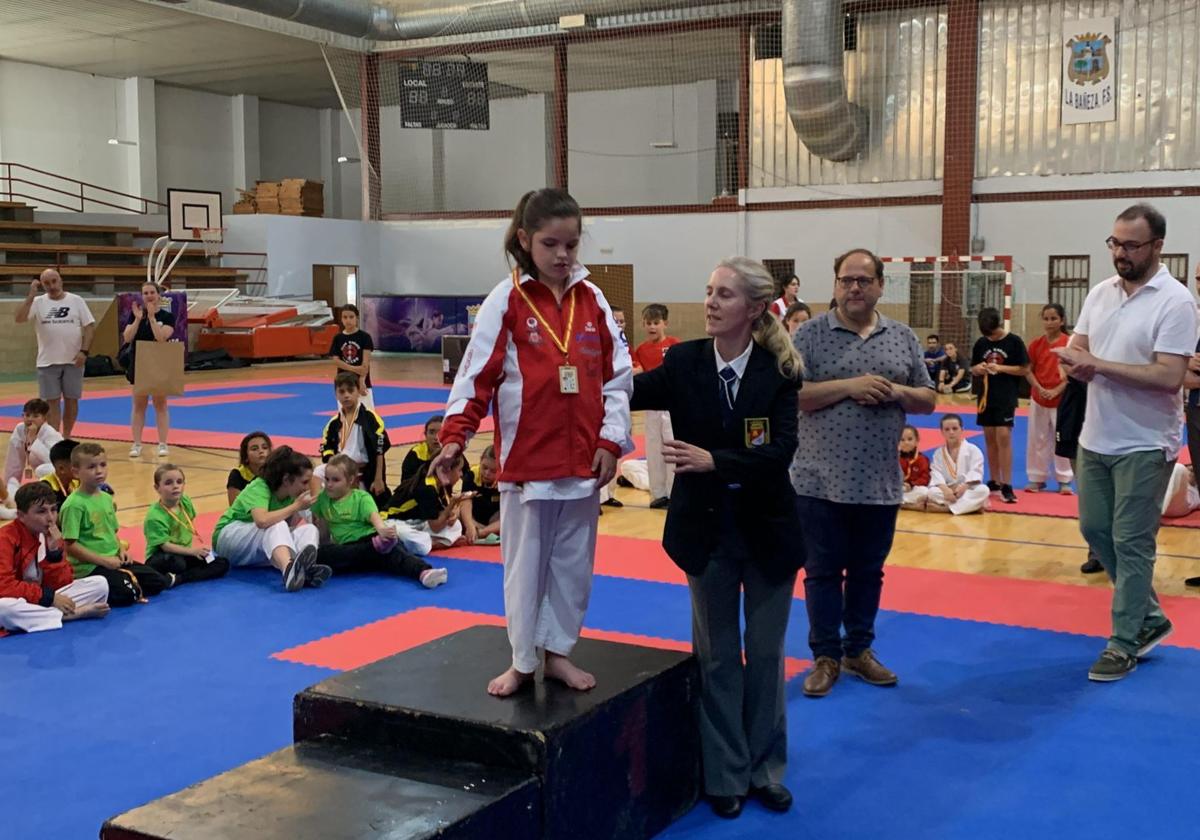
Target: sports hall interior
669, 123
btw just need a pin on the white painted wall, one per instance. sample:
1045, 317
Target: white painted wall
491, 169
195, 150
612, 162
1032, 231
294, 244
60, 122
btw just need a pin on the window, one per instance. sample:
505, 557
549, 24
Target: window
1069, 284
920, 296
1177, 264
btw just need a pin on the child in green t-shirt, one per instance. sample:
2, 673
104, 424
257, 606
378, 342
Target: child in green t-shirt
266, 526
170, 529
360, 539
88, 522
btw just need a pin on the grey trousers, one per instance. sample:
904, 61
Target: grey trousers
743, 723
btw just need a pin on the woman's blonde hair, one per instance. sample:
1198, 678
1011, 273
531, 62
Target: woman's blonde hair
759, 287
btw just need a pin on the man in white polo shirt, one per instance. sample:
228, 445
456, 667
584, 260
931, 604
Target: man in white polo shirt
65, 328
1132, 342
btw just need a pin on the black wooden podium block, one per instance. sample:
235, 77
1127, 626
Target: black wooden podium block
620, 761
325, 789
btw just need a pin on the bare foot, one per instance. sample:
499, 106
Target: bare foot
508, 683
562, 669
88, 611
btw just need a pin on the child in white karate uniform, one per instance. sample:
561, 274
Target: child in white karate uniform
1181, 497
28, 456
956, 473
546, 351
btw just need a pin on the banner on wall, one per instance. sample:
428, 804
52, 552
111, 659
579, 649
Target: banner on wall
415, 324
1089, 87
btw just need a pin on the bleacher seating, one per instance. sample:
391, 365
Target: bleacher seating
99, 259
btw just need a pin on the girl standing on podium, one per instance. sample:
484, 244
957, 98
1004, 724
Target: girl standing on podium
547, 350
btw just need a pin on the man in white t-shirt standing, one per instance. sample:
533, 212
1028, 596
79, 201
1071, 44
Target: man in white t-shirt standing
1133, 339
65, 329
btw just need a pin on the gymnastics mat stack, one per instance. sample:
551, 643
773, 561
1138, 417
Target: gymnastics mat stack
411, 746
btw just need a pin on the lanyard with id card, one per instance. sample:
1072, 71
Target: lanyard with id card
568, 374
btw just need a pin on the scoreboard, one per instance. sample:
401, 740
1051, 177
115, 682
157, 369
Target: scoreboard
444, 94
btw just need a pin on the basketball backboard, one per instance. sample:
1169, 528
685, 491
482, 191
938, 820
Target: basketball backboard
191, 210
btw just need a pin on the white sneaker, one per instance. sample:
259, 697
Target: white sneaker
163, 452
433, 578
135, 451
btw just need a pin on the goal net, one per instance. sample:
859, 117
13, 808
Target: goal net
943, 295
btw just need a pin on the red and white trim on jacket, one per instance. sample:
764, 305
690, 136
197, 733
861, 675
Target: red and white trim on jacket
491, 372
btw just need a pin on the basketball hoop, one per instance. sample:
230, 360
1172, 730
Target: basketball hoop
211, 238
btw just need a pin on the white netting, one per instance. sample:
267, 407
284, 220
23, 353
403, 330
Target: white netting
943, 295
211, 239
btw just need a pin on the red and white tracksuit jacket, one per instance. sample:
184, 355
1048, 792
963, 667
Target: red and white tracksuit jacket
541, 433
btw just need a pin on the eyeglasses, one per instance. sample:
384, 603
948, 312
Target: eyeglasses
851, 282
1115, 244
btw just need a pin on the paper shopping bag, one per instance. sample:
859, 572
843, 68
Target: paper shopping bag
158, 369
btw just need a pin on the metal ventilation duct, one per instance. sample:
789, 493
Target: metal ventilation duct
827, 122
376, 20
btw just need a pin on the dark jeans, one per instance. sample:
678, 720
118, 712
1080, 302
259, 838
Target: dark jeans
361, 556
847, 546
187, 569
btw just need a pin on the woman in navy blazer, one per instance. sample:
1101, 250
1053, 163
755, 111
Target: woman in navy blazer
732, 524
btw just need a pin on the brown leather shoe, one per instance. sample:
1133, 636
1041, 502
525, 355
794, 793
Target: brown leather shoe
869, 669
821, 678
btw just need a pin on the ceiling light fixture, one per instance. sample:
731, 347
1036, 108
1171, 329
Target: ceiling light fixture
113, 141
344, 159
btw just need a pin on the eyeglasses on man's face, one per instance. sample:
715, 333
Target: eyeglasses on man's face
1128, 247
860, 281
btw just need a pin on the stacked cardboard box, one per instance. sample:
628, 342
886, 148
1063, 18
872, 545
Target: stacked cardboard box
267, 196
298, 197
247, 202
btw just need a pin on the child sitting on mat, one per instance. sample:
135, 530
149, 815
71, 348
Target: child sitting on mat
29, 446
170, 529
360, 539
89, 528
1181, 497
428, 502
358, 432
263, 526
252, 454
956, 473
62, 480
37, 589
481, 513
423, 452
915, 467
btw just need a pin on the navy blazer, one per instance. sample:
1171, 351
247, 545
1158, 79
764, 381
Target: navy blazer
764, 503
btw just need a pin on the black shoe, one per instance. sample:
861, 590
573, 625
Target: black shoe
1112, 665
614, 503
729, 807
1150, 638
1192, 581
1007, 494
661, 503
1092, 566
773, 797
622, 481
993, 487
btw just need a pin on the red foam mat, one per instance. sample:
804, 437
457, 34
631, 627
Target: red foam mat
1038, 605
1051, 503
398, 633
